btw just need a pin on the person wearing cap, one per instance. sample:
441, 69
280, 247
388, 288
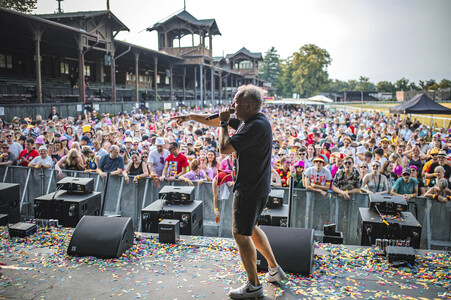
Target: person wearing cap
431, 173
85, 141
53, 113
42, 161
128, 143
136, 167
176, 164
347, 180
284, 170
347, 149
384, 143
28, 154
440, 192
405, 186
7, 158
157, 157
298, 176
318, 178
433, 154
414, 173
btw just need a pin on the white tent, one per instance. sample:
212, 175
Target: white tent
321, 98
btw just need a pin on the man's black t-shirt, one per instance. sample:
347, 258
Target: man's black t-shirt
252, 142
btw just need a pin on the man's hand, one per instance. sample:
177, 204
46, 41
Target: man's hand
171, 178
127, 180
60, 174
161, 178
180, 119
224, 114
103, 174
324, 193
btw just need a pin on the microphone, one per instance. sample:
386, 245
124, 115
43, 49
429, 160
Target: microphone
216, 115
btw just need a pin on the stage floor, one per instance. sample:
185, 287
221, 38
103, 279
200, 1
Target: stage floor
206, 268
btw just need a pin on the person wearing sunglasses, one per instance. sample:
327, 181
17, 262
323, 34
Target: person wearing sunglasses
347, 180
7, 158
318, 178
14, 146
157, 157
375, 182
284, 170
405, 186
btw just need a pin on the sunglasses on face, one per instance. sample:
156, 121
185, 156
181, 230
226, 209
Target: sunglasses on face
144, 156
348, 163
375, 166
406, 175
8, 136
363, 167
412, 170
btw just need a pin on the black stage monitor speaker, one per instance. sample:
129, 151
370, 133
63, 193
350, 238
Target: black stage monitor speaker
10, 201
292, 247
104, 237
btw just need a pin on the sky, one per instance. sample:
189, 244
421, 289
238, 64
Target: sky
379, 39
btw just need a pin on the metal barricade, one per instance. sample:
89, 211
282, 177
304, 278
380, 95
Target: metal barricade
308, 209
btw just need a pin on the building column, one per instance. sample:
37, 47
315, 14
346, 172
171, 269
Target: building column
212, 78
38, 31
81, 72
171, 87
113, 75
155, 75
137, 75
220, 86
184, 83
201, 80
195, 83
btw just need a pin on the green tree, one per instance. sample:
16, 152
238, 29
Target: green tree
402, 84
269, 69
284, 83
310, 70
353, 85
25, 6
445, 84
385, 86
336, 86
431, 84
365, 84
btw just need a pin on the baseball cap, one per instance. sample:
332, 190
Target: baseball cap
405, 171
43, 147
159, 142
128, 140
319, 158
85, 138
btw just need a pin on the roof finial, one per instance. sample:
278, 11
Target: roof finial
59, 11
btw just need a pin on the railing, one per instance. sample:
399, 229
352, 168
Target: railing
308, 209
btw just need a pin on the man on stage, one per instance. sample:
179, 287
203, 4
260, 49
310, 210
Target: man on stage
252, 143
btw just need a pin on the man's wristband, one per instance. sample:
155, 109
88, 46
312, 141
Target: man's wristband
137, 177
216, 209
313, 185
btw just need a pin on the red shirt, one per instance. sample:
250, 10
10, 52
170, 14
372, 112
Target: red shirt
24, 153
176, 164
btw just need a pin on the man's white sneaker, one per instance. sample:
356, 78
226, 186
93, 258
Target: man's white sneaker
247, 291
277, 275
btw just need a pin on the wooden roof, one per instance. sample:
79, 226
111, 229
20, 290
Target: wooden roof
187, 18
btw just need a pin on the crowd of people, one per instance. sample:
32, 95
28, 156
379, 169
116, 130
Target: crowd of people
319, 150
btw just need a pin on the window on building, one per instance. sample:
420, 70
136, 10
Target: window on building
2, 61
64, 68
245, 64
166, 80
87, 70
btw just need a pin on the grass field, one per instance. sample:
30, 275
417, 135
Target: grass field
439, 120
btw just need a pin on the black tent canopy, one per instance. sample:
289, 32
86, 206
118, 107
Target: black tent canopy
421, 104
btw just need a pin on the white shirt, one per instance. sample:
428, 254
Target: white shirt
46, 161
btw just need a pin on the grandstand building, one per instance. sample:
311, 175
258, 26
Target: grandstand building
81, 61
